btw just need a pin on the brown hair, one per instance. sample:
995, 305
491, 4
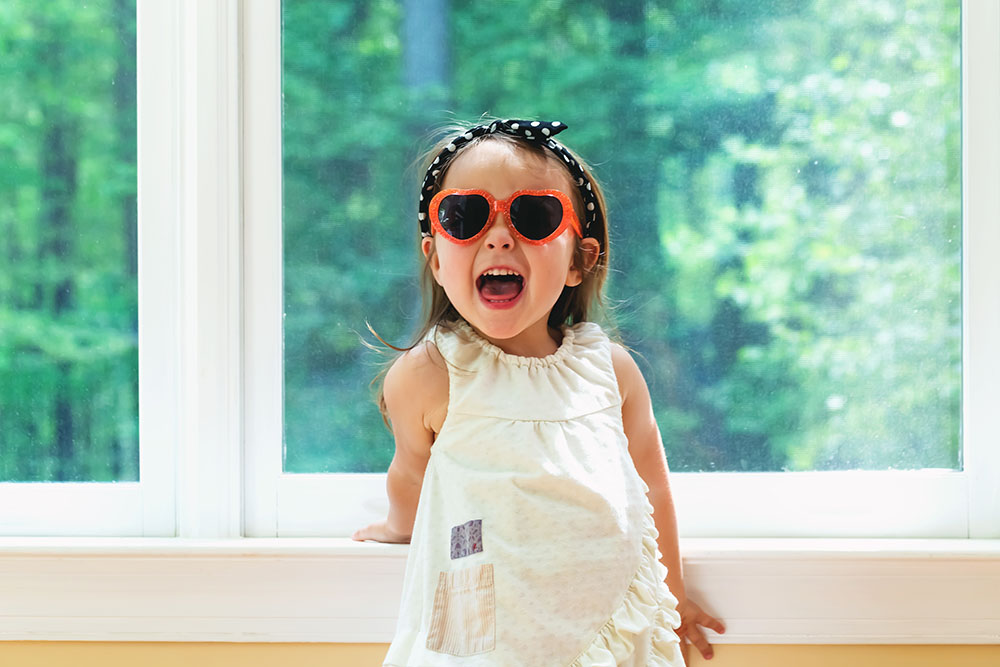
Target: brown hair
575, 304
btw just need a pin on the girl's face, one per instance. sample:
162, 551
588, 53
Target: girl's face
506, 309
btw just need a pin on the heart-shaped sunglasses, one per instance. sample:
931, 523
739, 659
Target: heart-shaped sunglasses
534, 216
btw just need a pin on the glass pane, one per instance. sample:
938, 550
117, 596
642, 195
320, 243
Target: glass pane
68, 309
785, 205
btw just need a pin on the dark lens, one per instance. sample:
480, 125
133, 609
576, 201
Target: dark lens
463, 216
536, 216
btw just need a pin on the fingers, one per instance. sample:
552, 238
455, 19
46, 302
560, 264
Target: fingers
691, 631
362, 534
714, 624
710, 622
697, 637
379, 532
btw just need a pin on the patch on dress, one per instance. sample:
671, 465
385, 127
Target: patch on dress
467, 539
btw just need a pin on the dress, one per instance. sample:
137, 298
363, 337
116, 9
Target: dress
534, 542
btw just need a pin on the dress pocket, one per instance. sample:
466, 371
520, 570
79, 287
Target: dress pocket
464, 618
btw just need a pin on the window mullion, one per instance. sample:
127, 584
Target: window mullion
158, 116
263, 254
210, 443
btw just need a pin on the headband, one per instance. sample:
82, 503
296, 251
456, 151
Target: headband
536, 131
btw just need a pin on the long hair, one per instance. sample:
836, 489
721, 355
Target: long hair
575, 304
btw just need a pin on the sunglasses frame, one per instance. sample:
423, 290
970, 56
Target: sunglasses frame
569, 218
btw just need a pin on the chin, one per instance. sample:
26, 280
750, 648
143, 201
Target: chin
500, 323
493, 325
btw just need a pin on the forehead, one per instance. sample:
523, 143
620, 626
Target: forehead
501, 168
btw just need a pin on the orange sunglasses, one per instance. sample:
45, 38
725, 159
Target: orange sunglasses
534, 216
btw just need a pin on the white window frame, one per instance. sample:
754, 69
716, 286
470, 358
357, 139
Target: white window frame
146, 507
216, 357
879, 504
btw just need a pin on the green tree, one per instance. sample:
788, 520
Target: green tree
68, 356
784, 244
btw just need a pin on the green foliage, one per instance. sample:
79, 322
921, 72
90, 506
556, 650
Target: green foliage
784, 193
783, 182
68, 301
345, 146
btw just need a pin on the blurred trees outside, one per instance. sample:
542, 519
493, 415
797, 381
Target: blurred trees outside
785, 204
784, 187
68, 294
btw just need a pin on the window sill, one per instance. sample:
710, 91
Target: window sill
768, 591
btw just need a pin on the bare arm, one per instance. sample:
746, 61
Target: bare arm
413, 398
646, 448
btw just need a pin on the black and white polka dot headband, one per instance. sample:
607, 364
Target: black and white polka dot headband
538, 131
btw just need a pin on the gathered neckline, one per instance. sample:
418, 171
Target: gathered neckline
564, 349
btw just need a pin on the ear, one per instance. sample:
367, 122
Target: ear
591, 251
427, 246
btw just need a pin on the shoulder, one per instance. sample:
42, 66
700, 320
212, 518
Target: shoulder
416, 387
630, 380
638, 419
415, 364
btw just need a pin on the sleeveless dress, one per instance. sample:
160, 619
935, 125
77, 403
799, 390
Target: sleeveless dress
534, 543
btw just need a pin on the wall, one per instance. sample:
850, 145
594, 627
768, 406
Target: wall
120, 654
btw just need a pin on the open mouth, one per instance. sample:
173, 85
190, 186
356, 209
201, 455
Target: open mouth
500, 286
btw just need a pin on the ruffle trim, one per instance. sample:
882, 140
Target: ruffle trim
565, 347
648, 604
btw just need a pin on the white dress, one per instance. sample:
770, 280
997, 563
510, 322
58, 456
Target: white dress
534, 542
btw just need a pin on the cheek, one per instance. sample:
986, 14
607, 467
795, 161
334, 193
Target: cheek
562, 252
453, 263
552, 261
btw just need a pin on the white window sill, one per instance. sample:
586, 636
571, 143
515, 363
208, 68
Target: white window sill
768, 591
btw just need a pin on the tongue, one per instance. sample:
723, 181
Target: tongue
496, 289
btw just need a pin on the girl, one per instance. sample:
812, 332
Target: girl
526, 435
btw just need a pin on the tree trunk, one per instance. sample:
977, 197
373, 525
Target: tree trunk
58, 189
426, 59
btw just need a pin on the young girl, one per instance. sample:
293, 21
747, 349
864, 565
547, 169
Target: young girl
526, 435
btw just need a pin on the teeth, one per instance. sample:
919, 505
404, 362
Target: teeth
501, 272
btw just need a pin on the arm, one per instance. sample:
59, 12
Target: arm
411, 386
646, 449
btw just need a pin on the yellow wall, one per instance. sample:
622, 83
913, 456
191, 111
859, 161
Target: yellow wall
119, 654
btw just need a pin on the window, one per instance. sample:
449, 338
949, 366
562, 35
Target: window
785, 188
211, 375
211, 262
69, 409
69, 386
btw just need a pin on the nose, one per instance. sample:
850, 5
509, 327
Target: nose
498, 236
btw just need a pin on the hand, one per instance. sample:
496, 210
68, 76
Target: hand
379, 531
690, 632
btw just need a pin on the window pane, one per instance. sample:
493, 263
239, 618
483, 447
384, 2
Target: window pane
785, 205
68, 310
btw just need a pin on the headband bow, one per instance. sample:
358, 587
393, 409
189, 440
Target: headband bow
538, 131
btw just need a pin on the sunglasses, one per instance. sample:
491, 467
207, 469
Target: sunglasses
535, 216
